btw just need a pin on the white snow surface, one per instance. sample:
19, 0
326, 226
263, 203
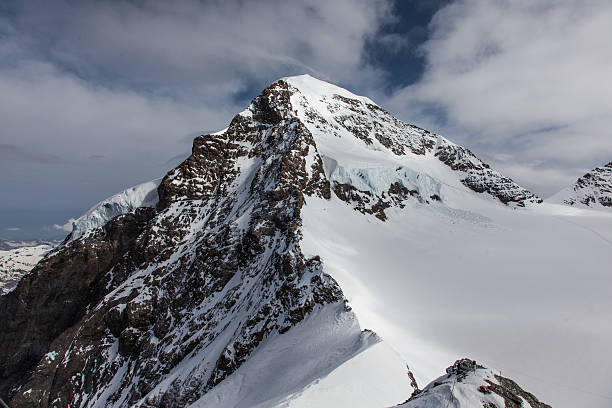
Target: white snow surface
524, 290
142, 195
326, 360
17, 262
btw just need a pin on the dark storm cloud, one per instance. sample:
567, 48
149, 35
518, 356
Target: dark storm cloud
10, 152
200, 49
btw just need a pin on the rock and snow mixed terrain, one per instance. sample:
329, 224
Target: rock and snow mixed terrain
248, 275
593, 190
468, 384
18, 259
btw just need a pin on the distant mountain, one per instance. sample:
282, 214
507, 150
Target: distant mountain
593, 190
7, 244
223, 284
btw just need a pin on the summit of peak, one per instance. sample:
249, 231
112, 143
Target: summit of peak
313, 87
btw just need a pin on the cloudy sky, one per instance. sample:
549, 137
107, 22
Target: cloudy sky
96, 96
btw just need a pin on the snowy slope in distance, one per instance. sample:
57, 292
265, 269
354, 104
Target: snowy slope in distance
14, 263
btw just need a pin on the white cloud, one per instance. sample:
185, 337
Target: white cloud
521, 77
13, 229
201, 49
65, 227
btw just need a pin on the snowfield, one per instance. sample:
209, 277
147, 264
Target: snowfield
526, 290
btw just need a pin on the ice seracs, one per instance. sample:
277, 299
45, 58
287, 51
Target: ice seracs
142, 195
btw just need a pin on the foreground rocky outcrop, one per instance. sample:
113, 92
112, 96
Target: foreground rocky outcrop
470, 385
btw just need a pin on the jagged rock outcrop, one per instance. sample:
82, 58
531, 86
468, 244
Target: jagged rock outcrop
593, 190
471, 385
158, 306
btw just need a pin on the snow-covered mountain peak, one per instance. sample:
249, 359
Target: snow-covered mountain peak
213, 287
351, 131
592, 190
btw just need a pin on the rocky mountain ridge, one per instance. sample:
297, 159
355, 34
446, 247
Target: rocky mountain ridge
158, 306
592, 190
468, 384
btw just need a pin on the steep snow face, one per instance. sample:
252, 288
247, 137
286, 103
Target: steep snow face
470, 385
593, 190
326, 360
142, 195
15, 263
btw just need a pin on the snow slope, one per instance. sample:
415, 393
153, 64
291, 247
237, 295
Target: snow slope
463, 275
324, 361
515, 289
593, 190
14, 263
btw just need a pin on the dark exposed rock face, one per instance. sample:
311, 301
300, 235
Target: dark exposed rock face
481, 178
205, 277
55, 295
512, 394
